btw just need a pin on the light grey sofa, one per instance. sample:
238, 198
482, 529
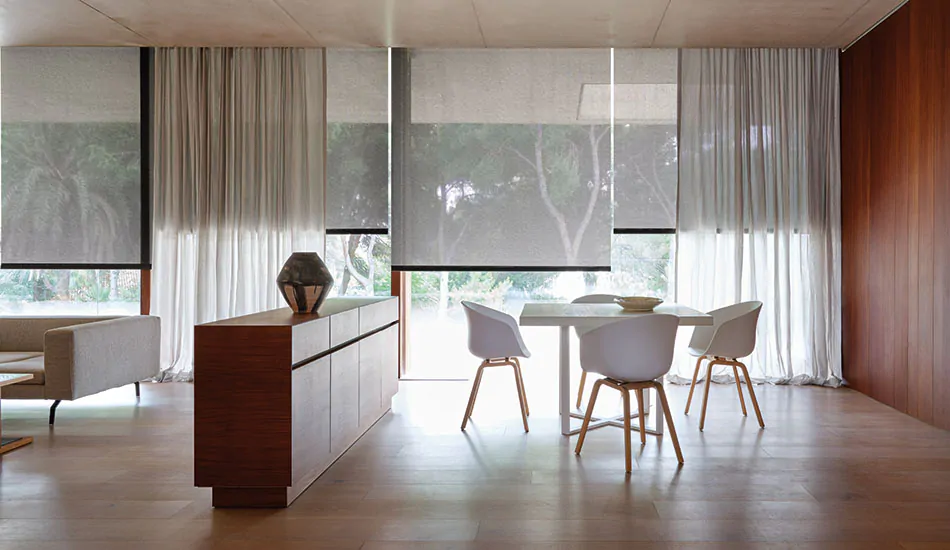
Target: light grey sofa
72, 357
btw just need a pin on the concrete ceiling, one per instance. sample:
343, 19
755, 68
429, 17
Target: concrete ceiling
440, 23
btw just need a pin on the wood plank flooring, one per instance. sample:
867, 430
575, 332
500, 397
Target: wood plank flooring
832, 470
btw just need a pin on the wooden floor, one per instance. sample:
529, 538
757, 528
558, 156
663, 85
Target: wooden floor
833, 469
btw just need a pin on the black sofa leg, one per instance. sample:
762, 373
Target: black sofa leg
138, 393
52, 412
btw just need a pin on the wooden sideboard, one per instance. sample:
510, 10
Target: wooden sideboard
280, 396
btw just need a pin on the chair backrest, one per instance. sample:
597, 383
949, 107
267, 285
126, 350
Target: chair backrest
592, 299
493, 334
733, 332
632, 350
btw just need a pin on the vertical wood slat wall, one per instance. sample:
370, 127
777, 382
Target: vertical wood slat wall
895, 162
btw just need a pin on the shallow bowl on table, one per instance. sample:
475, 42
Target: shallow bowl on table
638, 304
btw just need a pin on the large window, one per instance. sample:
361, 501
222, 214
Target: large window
503, 164
358, 244
74, 228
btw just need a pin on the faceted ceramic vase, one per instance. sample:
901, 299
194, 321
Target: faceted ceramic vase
304, 282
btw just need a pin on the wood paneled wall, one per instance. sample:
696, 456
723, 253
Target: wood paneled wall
895, 161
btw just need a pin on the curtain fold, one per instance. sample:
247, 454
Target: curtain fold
759, 203
238, 183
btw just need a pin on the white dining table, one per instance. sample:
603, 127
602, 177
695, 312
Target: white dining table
567, 315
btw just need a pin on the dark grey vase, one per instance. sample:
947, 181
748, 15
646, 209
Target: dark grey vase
304, 282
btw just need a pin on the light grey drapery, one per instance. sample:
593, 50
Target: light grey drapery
759, 202
238, 145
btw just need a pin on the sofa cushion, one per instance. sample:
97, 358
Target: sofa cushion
32, 365
11, 356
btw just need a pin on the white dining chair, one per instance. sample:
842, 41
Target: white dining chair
494, 337
730, 338
581, 329
630, 354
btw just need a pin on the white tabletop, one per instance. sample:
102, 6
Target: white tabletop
7, 379
566, 314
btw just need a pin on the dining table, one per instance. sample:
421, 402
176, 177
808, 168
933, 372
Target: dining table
565, 315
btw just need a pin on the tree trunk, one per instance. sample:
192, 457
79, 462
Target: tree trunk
113, 286
62, 285
443, 294
546, 197
344, 282
371, 264
352, 246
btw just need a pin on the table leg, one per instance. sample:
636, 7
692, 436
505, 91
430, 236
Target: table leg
564, 380
9, 443
660, 415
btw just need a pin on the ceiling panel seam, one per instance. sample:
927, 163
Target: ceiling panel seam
294, 19
147, 40
478, 21
827, 39
660, 24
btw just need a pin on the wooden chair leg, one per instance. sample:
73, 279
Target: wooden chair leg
476, 386
471, 397
643, 430
590, 410
580, 389
524, 393
755, 403
702, 415
735, 374
669, 419
628, 462
521, 399
689, 398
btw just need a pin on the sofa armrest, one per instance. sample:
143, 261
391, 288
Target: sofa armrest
84, 359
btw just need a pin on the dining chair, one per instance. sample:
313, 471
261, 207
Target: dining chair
730, 338
494, 337
631, 355
581, 329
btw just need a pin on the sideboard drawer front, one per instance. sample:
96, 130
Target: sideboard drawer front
380, 314
310, 339
344, 327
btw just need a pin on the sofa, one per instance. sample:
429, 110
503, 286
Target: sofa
72, 357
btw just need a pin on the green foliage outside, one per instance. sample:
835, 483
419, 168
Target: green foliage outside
44, 285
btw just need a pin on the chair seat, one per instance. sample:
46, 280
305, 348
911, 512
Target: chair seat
696, 352
29, 363
525, 354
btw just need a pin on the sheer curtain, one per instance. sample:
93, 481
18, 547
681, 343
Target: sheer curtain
238, 183
759, 206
